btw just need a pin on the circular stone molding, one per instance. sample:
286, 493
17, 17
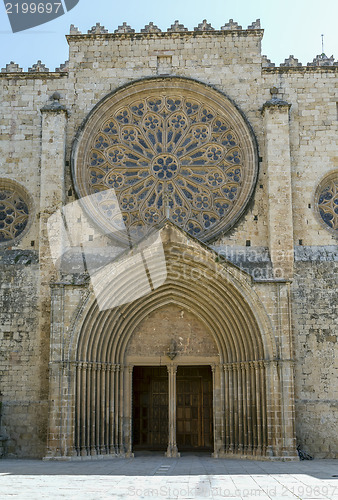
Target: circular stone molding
169, 148
326, 202
14, 211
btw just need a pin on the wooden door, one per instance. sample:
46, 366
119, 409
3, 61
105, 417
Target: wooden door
150, 407
194, 408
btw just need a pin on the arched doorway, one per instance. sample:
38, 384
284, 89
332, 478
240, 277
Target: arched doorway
91, 392
227, 337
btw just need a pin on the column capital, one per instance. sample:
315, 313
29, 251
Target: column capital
172, 368
54, 106
276, 104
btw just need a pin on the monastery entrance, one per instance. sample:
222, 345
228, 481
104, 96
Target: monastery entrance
194, 400
189, 366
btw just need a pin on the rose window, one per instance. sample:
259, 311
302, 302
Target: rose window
169, 148
327, 202
13, 213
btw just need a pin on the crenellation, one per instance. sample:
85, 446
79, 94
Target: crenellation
63, 68
322, 60
12, 67
291, 61
38, 67
150, 28
124, 28
204, 26
73, 30
97, 30
256, 25
177, 27
231, 25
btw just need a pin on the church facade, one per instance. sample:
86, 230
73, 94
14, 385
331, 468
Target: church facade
168, 248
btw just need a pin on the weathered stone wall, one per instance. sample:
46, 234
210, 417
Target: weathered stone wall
313, 95
23, 413
229, 61
315, 303
22, 97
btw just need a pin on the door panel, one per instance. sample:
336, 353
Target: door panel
194, 414
194, 408
150, 407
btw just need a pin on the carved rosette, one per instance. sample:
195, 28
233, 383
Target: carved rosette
169, 148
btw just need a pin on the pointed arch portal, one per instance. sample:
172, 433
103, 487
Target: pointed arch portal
236, 342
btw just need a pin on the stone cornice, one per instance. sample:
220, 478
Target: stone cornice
34, 76
300, 69
186, 34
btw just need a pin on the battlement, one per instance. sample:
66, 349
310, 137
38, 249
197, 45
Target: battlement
152, 33
174, 28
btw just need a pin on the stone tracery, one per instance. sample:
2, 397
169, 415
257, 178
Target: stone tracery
13, 214
170, 154
327, 201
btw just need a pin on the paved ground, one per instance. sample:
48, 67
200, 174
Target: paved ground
154, 476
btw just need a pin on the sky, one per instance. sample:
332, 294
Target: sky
290, 26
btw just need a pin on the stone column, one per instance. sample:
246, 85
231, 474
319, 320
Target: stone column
219, 416
172, 451
54, 121
128, 411
286, 371
55, 437
278, 171
271, 435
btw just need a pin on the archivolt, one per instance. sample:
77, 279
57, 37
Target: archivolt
220, 297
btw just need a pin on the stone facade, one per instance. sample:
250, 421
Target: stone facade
273, 353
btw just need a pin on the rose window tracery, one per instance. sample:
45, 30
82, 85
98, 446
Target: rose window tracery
168, 152
327, 202
14, 213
